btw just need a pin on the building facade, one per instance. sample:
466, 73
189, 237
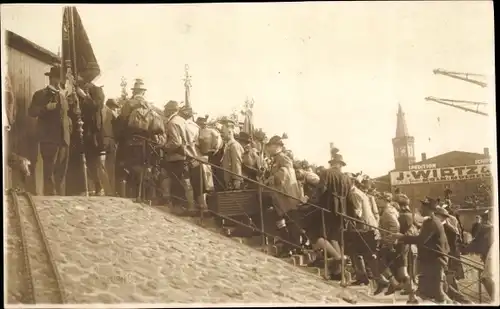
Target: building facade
26, 63
467, 175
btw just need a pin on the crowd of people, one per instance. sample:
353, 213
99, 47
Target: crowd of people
133, 149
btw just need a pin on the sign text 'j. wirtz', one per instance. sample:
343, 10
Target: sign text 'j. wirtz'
440, 174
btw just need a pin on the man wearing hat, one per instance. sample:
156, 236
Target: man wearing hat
251, 161
483, 244
283, 179
432, 243
175, 162
91, 98
333, 188
233, 156
199, 185
109, 116
51, 108
138, 89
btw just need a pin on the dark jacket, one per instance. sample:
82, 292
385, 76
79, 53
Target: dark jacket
333, 191
482, 242
91, 107
54, 126
454, 241
431, 241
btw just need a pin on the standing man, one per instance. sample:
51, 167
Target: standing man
109, 116
198, 175
432, 243
92, 103
233, 156
333, 189
51, 108
175, 157
283, 179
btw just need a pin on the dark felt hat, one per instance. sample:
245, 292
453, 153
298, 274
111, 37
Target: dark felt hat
138, 85
112, 103
227, 120
337, 158
430, 202
244, 137
275, 140
171, 105
55, 71
202, 120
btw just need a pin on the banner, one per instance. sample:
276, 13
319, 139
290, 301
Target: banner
443, 174
76, 47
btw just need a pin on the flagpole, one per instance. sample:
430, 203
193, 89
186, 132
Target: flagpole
78, 111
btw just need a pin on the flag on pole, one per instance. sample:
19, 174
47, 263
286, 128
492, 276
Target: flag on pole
76, 48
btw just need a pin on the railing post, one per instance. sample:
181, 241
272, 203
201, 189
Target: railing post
201, 197
342, 254
325, 256
480, 288
261, 206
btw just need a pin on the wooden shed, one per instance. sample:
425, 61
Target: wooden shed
27, 62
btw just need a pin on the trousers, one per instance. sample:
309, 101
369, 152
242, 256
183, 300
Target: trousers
55, 166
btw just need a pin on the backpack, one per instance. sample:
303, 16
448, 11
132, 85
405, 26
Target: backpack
140, 116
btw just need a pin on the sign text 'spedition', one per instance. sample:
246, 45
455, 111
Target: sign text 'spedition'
440, 174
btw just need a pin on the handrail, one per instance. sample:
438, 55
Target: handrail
242, 177
479, 269
428, 248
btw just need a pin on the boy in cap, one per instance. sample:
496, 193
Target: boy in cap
431, 243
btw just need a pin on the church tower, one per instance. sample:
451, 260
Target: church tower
403, 144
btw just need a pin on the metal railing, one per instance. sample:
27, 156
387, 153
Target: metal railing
472, 265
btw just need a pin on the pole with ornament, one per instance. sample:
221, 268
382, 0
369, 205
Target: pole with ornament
71, 72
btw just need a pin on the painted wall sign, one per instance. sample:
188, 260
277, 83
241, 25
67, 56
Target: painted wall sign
422, 166
483, 161
440, 174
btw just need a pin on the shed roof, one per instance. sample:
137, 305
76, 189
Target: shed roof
28, 47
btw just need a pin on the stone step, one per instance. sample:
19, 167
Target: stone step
348, 294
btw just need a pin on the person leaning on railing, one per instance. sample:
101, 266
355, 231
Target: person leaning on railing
482, 244
363, 237
455, 269
387, 253
432, 247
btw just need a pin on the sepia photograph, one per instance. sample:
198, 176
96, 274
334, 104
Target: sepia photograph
274, 154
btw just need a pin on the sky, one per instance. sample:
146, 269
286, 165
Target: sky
321, 72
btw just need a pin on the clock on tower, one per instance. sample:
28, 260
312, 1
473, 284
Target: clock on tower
403, 143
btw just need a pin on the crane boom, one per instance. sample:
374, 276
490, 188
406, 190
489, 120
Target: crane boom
452, 103
462, 76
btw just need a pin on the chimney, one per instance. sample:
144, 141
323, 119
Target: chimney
486, 151
424, 156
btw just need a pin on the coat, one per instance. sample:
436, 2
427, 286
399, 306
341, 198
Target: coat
433, 236
284, 180
53, 126
232, 160
362, 208
175, 129
389, 220
91, 107
333, 190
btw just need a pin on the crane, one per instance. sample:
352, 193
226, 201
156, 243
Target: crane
459, 103
462, 76
453, 103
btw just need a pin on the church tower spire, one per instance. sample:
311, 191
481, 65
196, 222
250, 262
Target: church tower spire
403, 143
401, 127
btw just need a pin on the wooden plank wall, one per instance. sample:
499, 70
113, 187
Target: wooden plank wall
27, 76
